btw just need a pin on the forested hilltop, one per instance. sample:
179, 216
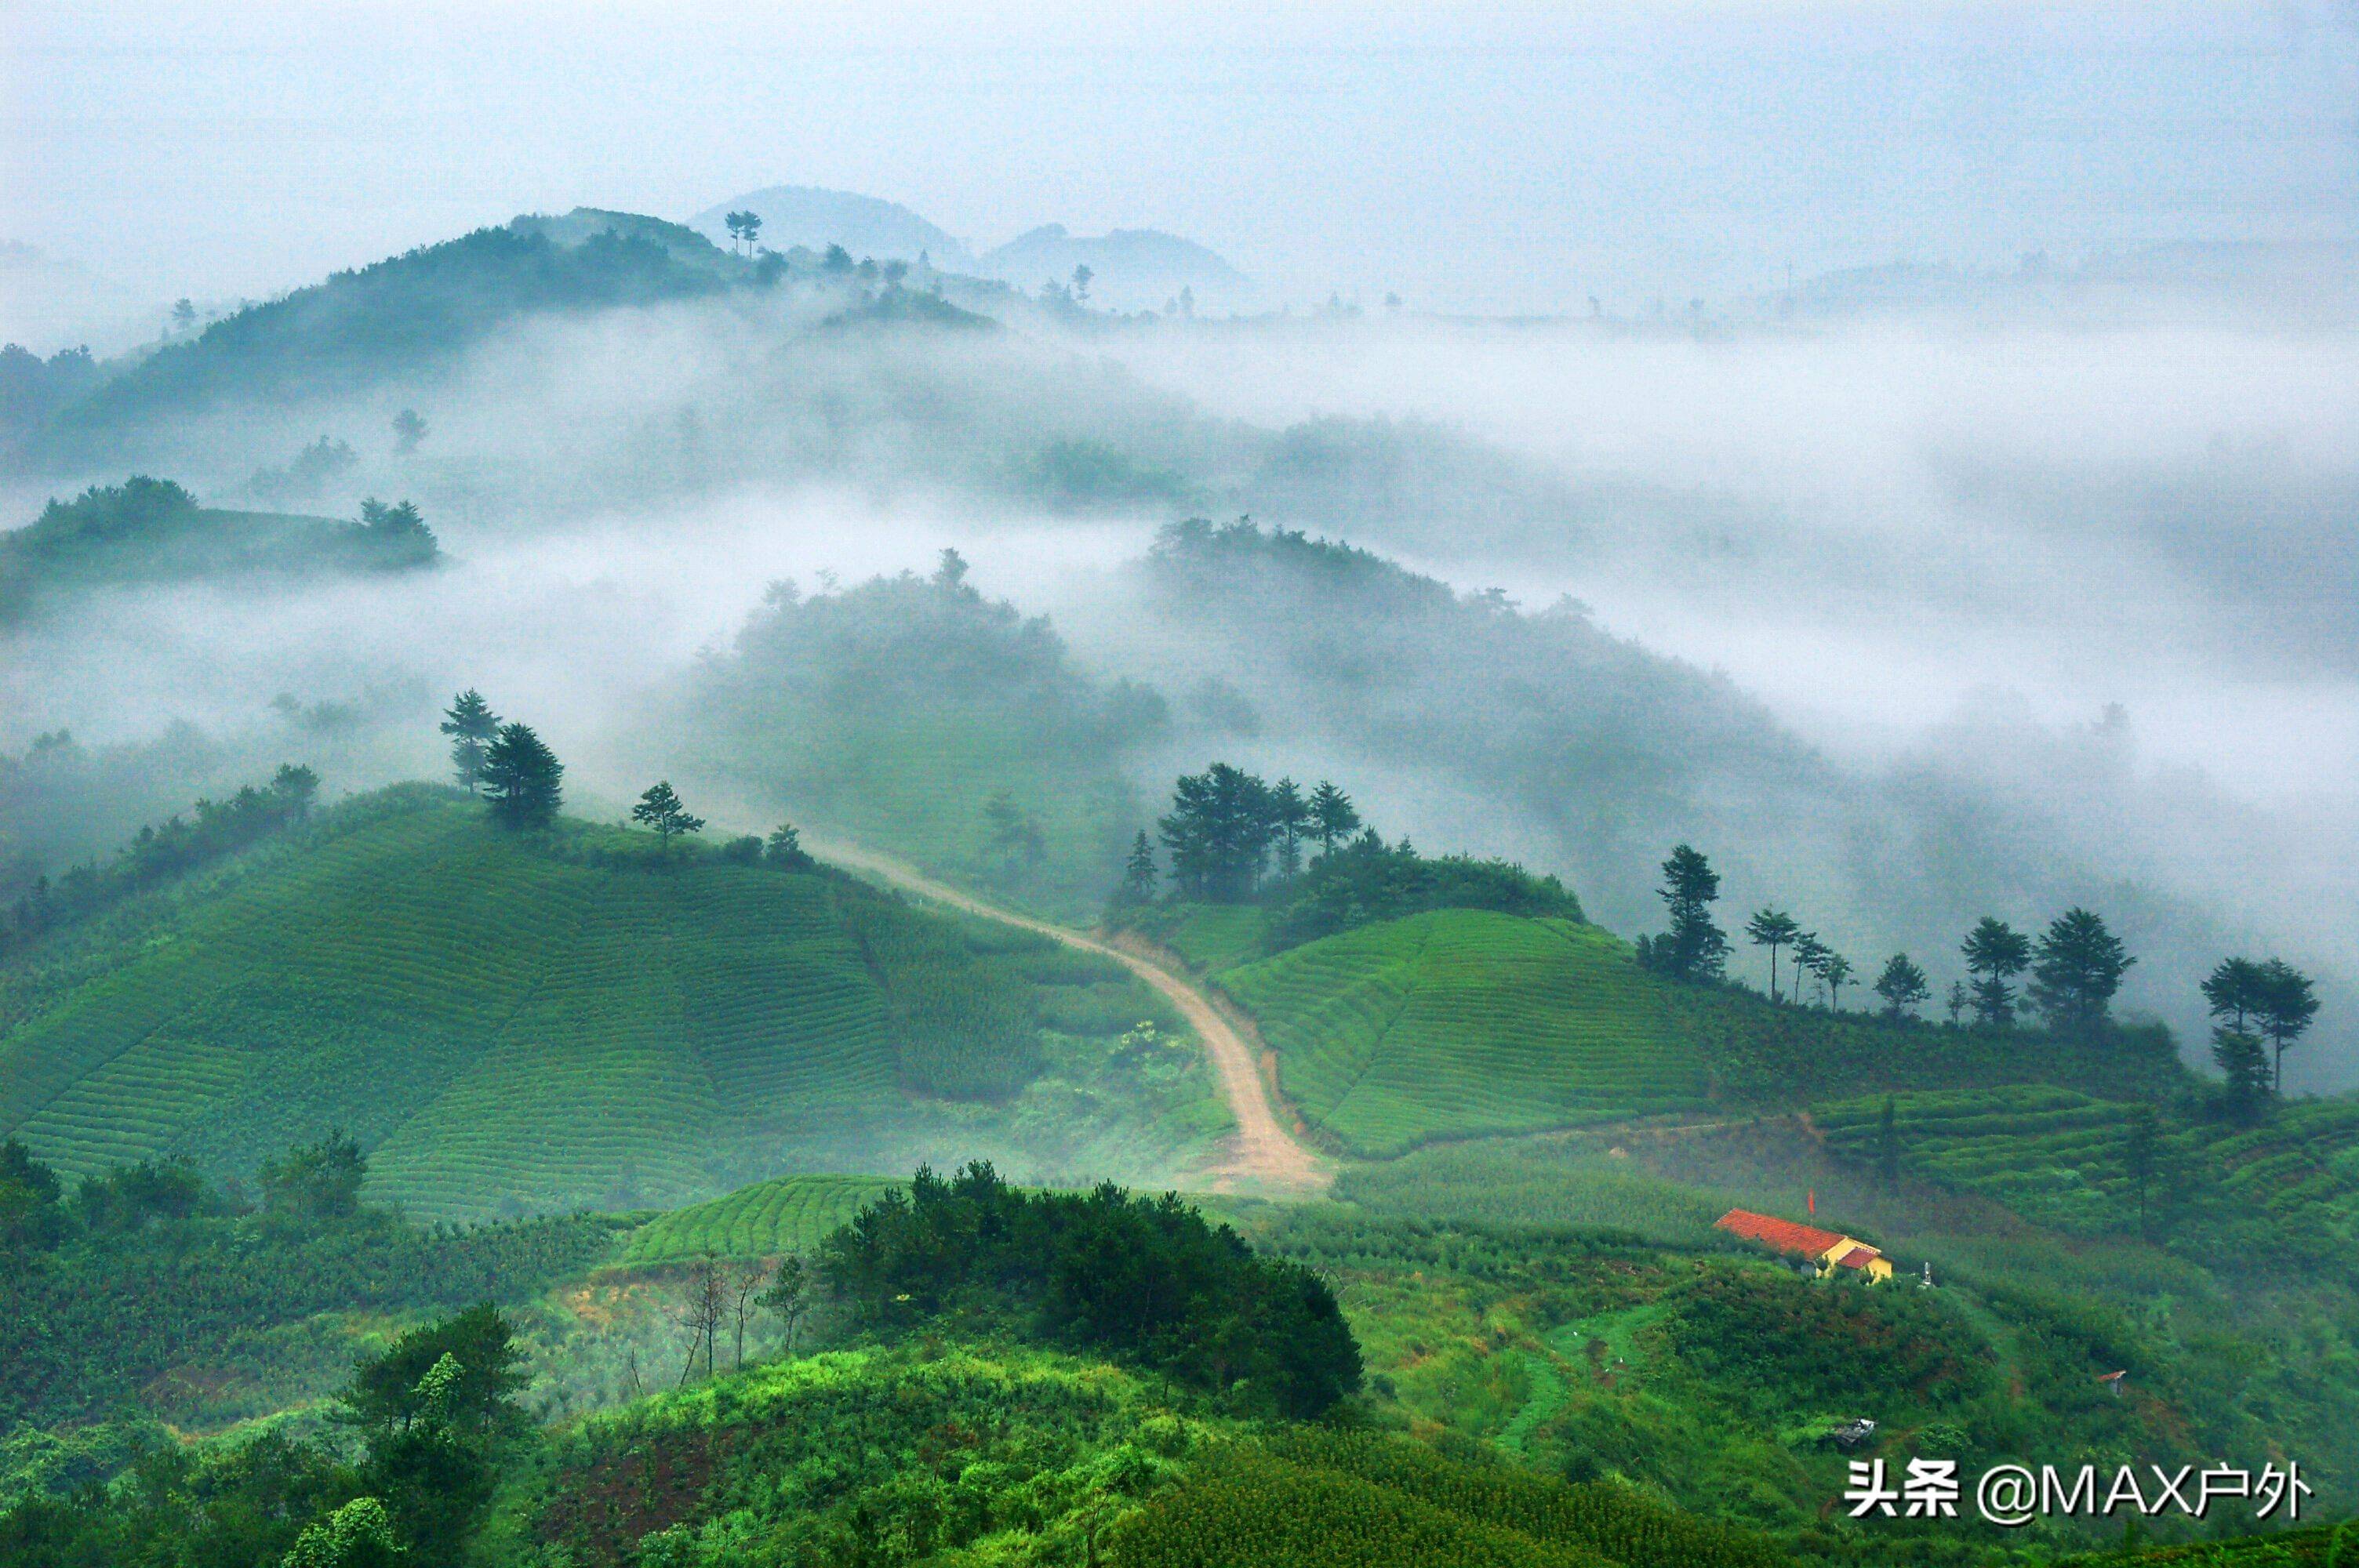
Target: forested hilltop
148, 531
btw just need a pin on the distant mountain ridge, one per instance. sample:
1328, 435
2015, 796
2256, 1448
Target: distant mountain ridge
1131, 269
814, 218
1134, 269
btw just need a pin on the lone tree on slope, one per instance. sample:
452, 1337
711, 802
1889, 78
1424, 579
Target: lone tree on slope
472, 725
1694, 948
1773, 929
1995, 952
1138, 873
2079, 968
522, 779
1902, 985
786, 850
661, 810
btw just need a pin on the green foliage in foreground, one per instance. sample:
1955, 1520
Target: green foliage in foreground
148, 1293
1318, 1497
513, 1022
150, 530
1141, 1277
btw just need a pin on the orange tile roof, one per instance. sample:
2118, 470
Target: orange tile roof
1859, 1257
1783, 1234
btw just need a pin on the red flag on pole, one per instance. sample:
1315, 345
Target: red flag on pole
1814, 1200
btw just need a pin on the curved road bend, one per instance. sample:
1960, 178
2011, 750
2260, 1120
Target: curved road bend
1263, 1151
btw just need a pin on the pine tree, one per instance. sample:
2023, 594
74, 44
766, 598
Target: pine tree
1836, 973
2079, 968
2232, 991
786, 848
661, 810
1291, 816
2245, 1064
1902, 985
1333, 819
1995, 952
2284, 1004
1694, 948
1138, 873
522, 779
471, 724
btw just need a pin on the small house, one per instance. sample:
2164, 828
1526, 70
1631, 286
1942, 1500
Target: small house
1824, 1250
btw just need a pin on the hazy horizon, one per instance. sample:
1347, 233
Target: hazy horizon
1493, 161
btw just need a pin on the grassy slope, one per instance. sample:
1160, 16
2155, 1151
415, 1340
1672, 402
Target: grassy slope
2060, 1159
1466, 1021
768, 1220
506, 1029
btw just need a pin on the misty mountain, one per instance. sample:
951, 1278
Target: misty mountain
1132, 269
151, 531
417, 309
815, 219
1535, 734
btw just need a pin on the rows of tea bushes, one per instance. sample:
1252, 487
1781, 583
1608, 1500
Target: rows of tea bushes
1462, 1022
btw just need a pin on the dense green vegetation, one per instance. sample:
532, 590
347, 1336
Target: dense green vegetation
152, 531
148, 1290
518, 1023
914, 715
1143, 1279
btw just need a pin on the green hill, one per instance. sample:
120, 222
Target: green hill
768, 1220
1466, 1021
418, 309
514, 1024
2233, 1195
152, 531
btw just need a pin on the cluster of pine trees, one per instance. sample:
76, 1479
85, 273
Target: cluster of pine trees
2075, 967
507, 763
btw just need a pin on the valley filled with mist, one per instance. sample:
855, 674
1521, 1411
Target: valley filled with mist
1907, 617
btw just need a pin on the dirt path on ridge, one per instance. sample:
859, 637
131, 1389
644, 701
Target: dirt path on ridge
1262, 1152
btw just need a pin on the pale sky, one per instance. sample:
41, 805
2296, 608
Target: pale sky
1491, 158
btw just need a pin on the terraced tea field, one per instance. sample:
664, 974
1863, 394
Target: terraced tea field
510, 1028
768, 1220
2061, 1158
1463, 1022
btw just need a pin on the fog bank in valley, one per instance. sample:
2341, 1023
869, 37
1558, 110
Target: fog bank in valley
1904, 620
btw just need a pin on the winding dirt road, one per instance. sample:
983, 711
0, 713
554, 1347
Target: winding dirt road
1261, 1153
